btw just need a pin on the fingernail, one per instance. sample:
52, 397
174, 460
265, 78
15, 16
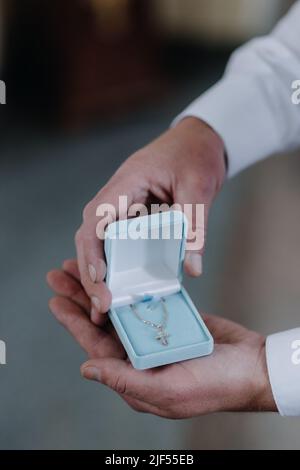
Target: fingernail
96, 302
102, 269
195, 262
92, 273
91, 373
95, 315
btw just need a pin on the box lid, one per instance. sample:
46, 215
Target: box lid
144, 256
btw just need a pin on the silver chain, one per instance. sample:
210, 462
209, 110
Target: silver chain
162, 335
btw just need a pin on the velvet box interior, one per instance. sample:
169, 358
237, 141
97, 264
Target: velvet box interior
144, 271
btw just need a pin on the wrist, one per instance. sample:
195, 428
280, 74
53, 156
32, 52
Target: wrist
262, 391
197, 125
204, 141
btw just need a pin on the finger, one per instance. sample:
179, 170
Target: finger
94, 268
72, 271
90, 248
98, 292
104, 209
224, 330
101, 299
95, 315
95, 341
121, 377
197, 221
195, 201
215, 325
65, 285
71, 267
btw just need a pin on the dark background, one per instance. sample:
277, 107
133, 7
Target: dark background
88, 83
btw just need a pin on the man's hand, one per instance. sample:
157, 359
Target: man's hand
185, 165
71, 307
233, 378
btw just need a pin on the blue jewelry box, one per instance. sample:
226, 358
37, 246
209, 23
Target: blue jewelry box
152, 313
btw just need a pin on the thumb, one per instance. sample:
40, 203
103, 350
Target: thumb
120, 376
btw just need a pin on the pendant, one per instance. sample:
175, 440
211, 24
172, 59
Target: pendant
162, 336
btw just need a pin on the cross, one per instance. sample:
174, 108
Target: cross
162, 336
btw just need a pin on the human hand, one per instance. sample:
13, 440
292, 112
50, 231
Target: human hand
71, 307
233, 378
185, 165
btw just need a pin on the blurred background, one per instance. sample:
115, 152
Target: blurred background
89, 82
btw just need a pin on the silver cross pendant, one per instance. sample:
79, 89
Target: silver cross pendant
162, 336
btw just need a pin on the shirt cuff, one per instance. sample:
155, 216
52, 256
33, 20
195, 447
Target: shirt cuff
240, 110
283, 362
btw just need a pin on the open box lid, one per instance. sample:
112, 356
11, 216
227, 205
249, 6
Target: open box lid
144, 256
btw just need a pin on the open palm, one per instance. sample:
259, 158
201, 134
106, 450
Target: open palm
234, 377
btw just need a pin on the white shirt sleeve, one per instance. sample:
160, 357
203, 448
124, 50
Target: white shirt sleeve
283, 361
251, 107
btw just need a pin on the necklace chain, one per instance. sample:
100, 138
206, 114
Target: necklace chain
162, 335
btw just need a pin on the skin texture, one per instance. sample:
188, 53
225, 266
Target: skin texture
233, 378
184, 165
